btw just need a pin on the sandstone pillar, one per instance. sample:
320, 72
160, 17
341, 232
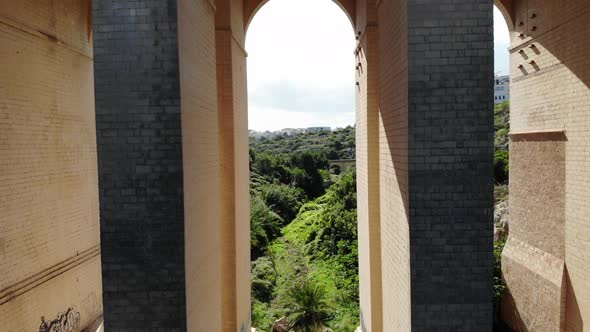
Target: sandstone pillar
367, 167
234, 159
546, 258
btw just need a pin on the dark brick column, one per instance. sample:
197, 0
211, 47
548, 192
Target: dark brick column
139, 164
450, 109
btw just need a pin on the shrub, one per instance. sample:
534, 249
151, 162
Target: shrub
501, 166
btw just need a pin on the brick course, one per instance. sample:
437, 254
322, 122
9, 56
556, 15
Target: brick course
450, 161
48, 174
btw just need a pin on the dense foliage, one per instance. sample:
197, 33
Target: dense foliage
307, 309
304, 232
304, 229
502, 127
338, 144
501, 162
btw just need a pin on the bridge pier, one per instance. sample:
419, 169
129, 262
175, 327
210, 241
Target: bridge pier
427, 142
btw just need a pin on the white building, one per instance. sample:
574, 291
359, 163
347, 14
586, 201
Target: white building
317, 129
501, 89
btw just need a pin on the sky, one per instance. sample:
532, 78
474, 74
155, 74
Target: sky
301, 65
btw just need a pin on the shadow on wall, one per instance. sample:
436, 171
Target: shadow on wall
561, 33
574, 318
543, 24
515, 318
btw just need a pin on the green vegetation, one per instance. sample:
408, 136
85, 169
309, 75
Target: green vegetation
338, 144
501, 129
501, 162
499, 285
308, 307
304, 232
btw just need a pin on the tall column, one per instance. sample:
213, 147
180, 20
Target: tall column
546, 258
450, 163
367, 167
158, 164
234, 158
436, 170
201, 169
139, 143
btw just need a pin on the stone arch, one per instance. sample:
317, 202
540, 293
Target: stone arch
251, 7
505, 7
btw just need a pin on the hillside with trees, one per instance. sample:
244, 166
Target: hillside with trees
303, 232
304, 247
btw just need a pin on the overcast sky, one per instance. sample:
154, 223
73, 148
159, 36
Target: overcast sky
301, 64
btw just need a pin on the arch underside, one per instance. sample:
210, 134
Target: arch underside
251, 7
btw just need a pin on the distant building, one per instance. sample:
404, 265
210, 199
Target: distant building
317, 129
501, 89
291, 131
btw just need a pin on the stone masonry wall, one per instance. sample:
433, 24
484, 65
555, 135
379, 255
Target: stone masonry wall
535, 249
393, 164
202, 207
450, 144
140, 164
49, 230
367, 168
234, 159
550, 90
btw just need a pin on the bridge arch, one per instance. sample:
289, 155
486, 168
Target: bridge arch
251, 7
505, 7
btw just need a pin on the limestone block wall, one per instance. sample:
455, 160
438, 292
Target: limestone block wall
49, 231
202, 206
234, 159
550, 91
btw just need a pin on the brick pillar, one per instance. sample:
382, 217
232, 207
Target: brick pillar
450, 162
367, 166
140, 164
235, 171
546, 258
436, 164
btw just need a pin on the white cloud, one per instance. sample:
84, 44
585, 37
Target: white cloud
301, 64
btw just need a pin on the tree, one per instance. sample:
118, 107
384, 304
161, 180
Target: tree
308, 309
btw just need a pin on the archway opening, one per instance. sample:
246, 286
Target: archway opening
501, 150
301, 101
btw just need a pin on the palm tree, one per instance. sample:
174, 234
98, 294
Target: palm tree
308, 312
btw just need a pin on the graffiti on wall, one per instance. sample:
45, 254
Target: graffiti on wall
68, 321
